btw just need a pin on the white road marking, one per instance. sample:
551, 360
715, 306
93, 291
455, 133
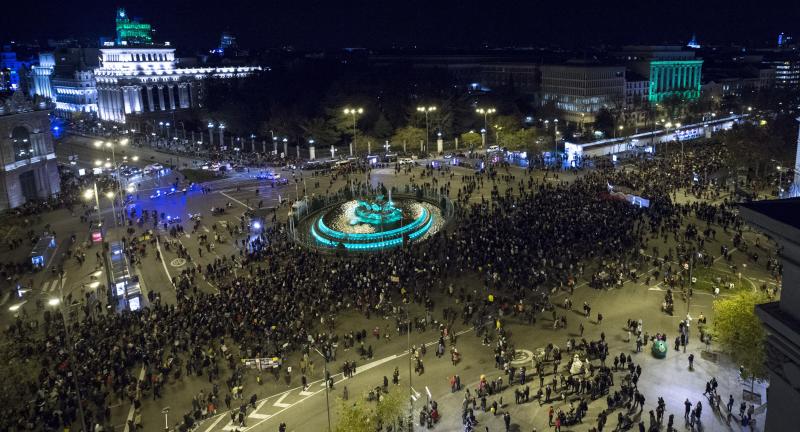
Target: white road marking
166, 270
13, 227
236, 200
259, 416
283, 407
279, 403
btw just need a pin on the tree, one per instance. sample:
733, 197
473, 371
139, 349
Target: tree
521, 139
354, 416
471, 139
391, 408
321, 130
410, 135
604, 121
506, 123
739, 332
16, 376
382, 128
359, 415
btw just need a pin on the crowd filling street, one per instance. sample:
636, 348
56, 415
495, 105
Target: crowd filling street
523, 249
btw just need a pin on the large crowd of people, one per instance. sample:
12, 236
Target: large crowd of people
526, 239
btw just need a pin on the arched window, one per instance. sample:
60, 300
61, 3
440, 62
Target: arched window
23, 147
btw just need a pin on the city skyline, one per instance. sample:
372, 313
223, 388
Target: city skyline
446, 24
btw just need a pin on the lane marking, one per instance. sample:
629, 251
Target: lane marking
236, 200
164, 264
259, 416
279, 403
322, 384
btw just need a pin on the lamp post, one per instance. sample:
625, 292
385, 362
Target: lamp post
354, 112
485, 112
427, 110
92, 193
69, 347
327, 400
111, 145
210, 135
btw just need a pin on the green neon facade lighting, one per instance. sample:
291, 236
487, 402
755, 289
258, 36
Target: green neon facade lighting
675, 78
132, 32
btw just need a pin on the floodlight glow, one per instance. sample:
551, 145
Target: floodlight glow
53, 302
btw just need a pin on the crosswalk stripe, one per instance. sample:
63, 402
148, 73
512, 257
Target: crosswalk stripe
259, 416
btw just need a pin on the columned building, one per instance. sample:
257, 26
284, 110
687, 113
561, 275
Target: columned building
675, 78
133, 81
671, 70
28, 167
41, 74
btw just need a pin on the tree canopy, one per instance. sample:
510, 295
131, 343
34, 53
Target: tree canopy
739, 332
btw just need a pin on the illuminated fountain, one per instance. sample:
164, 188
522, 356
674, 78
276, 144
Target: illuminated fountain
369, 224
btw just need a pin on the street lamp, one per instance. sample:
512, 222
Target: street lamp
354, 112
426, 110
68, 345
327, 402
485, 112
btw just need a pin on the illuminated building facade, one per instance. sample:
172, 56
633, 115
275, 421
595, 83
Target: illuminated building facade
581, 90
28, 167
669, 78
787, 68
42, 73
133, 81
671, 70
131, 31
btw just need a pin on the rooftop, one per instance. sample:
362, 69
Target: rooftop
786, 211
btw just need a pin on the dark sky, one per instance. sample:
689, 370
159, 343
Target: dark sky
431, 23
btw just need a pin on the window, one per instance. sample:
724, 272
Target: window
21, 139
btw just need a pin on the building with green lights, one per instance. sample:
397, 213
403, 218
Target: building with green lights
131, 31
675, 78
670, 70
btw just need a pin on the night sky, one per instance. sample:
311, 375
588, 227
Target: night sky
307, 24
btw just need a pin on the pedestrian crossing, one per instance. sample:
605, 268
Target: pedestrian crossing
50, 286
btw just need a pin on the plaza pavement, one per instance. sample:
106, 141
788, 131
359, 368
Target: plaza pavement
307, 412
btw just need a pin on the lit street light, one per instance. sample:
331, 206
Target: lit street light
427, 110
485, 112
354, 112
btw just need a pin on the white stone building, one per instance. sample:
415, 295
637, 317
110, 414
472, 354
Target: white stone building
140, 80
28, 167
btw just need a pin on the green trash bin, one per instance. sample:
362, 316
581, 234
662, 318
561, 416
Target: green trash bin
659, 349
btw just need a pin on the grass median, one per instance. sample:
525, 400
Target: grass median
200, 176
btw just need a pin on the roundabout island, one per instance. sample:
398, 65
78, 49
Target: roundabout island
372, 223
